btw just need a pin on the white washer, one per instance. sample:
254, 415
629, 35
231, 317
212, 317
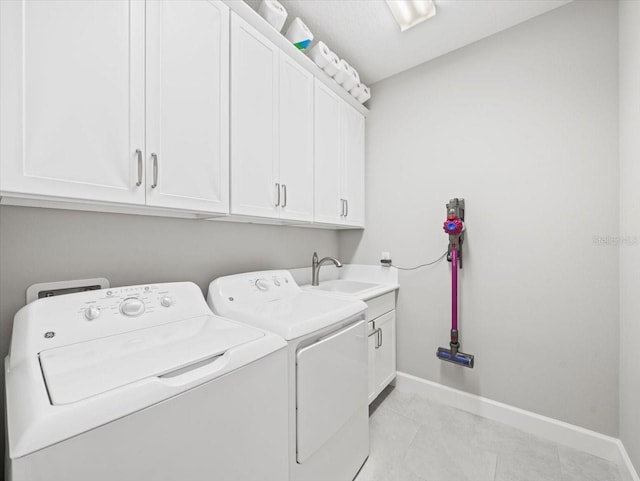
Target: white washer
329, 417
143, 382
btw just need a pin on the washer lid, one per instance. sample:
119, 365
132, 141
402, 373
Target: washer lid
79, 371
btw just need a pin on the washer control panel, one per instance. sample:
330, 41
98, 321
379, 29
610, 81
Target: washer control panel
70, 318
127, 302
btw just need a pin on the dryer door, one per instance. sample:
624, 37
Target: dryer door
331, 384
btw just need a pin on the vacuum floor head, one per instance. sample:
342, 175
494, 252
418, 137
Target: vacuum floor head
459, 358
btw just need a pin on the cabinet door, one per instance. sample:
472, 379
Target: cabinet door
296, 140
353, 165
188, 105
385, 354
72, 98
254, 122
328, 156
371, 350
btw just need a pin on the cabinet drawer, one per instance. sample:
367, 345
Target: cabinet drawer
381, 305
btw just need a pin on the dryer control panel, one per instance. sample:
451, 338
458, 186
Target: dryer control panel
268, 280
258, 286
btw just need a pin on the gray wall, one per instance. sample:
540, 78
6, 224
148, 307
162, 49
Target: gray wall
38, 245
524, 126
630, 228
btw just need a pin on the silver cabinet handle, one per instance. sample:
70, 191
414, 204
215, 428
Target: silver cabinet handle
154, 157
139, 155
346, 203
380, 337
278, 193
373, 330
284, 191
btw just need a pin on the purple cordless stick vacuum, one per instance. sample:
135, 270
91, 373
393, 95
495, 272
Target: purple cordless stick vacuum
454, 226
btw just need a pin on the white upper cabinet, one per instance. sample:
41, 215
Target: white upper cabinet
329, 205
254, 122
296, 141
271, 129
72, 99
187, 148
339, 160
353, 165
190, 106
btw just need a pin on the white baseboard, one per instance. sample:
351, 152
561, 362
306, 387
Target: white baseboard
606, 447
624, 461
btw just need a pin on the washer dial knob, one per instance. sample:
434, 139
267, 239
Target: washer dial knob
166, 301
262, 284
91, 313
132, 307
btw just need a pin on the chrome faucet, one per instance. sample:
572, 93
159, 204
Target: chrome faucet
315, 267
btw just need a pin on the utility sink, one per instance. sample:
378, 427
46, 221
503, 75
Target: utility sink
345, 286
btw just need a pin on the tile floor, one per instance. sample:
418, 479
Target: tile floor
414, 439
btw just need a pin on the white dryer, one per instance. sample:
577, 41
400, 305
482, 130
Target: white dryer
328, 407
143, 383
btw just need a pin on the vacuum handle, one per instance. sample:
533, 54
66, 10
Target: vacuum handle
454, 289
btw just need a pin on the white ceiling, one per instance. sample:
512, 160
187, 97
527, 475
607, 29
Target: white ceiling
364, 33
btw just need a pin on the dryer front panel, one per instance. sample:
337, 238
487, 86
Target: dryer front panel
331, 385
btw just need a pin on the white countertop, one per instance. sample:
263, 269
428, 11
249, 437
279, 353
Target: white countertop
385, 278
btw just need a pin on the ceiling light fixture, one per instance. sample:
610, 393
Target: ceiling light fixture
409, 13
